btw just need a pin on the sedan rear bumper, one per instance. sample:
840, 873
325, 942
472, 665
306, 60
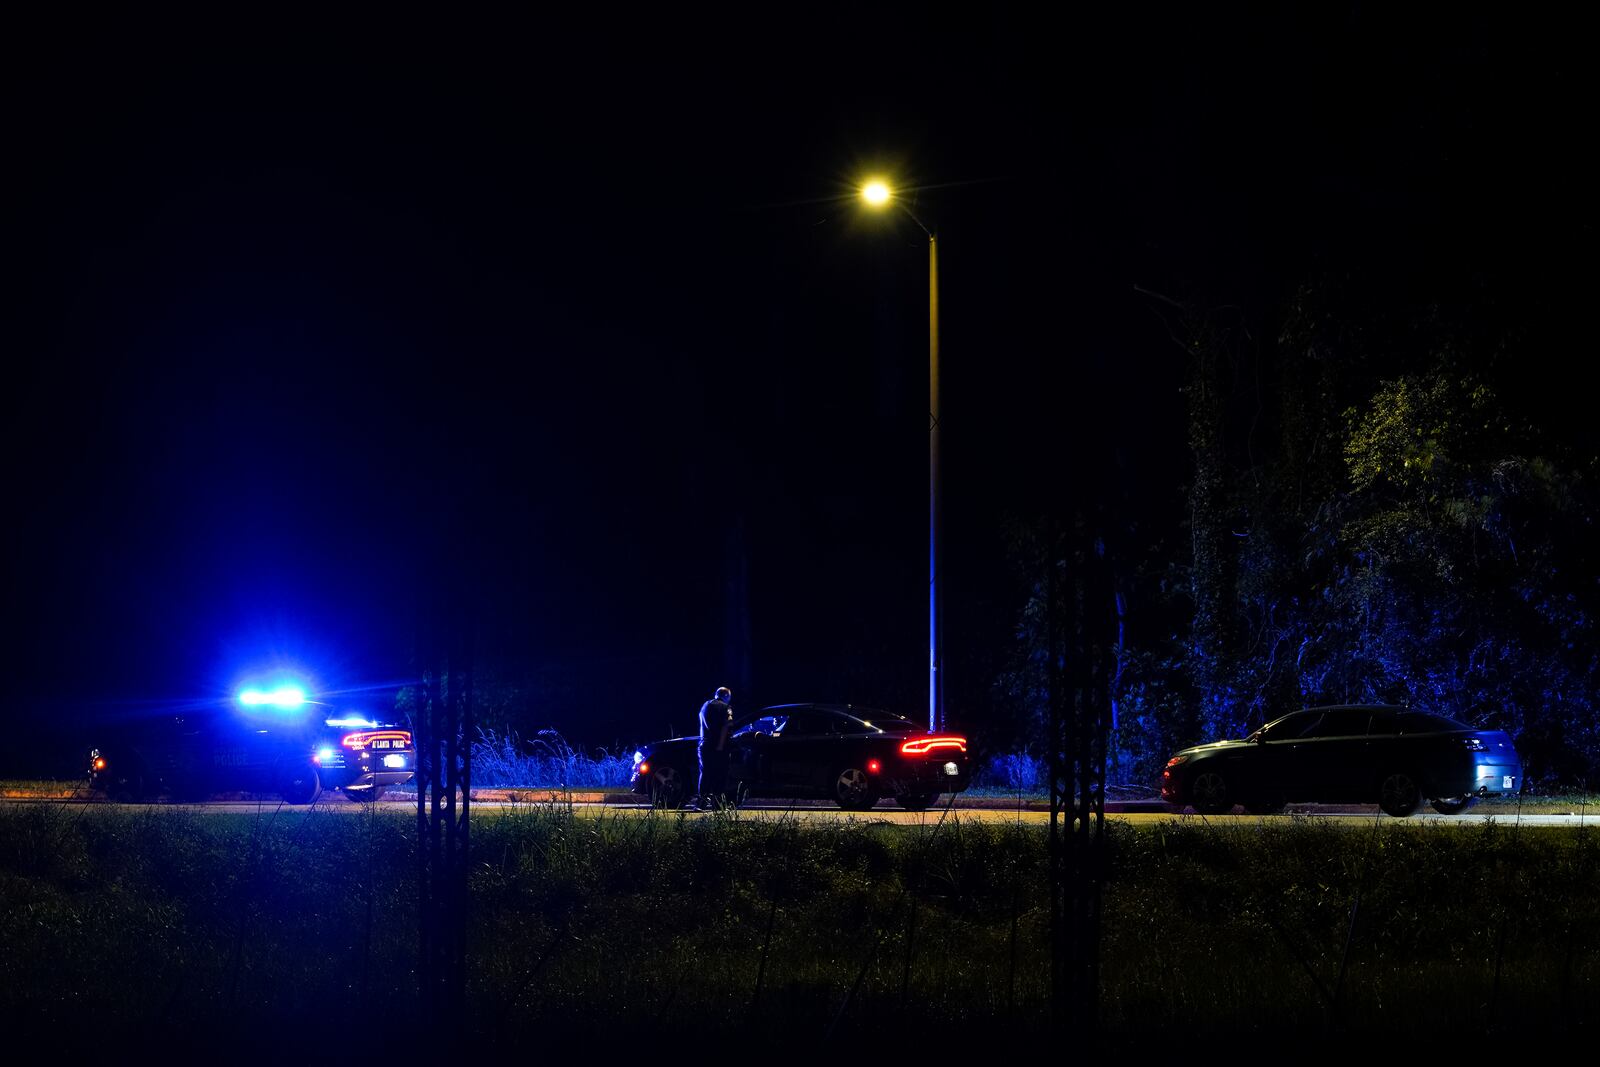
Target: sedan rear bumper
924, 778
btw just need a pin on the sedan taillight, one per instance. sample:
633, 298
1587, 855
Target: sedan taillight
921, 746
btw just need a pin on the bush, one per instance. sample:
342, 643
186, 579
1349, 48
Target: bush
548, 761
1015, 772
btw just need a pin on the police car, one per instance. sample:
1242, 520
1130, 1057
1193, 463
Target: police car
275, 741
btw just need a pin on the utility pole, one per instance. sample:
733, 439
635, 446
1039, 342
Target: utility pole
935, 642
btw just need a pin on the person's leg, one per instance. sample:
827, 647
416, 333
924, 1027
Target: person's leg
719, 760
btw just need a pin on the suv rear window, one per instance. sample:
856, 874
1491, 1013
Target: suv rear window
1422, 722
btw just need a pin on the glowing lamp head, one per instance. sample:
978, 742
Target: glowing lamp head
876, 193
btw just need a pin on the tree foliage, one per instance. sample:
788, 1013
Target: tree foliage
1399, 531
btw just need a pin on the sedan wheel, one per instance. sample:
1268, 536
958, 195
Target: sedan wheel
1209, 793
1453, 805
666, 791
853, 790
1399, 795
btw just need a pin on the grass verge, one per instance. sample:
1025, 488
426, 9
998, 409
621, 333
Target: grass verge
617, 933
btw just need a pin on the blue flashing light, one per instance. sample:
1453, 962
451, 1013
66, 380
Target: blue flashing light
350, 723
286, 696
324, 753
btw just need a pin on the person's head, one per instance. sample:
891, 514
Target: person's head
723, 694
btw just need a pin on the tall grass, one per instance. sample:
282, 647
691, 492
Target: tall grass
546, 761
621, 932
1029, 775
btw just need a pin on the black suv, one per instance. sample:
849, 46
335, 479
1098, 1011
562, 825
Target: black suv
1362, 753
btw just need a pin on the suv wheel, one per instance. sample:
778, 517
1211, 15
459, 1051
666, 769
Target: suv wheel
1453, 805
1266, 806
1209, 793
1399, 795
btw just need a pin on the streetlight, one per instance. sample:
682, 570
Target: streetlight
877, 193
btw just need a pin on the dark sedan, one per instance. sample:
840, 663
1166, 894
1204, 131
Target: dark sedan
853, 756
1394, 756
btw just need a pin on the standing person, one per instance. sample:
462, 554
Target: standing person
716, 716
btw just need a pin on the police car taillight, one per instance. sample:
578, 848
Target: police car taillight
363, 739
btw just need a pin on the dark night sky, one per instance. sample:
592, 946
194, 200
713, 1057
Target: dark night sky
285, 296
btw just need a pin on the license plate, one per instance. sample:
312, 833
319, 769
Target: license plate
1505, 782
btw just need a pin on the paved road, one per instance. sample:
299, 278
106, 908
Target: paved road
1353, 819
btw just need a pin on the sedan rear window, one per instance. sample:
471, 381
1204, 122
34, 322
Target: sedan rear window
890, 724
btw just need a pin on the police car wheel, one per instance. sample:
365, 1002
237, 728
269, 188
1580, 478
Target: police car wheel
301, 789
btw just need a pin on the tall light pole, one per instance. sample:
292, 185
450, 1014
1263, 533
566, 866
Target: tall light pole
878, 194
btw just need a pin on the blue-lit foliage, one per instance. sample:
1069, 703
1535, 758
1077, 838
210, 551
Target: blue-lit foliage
1381, 524
546, 761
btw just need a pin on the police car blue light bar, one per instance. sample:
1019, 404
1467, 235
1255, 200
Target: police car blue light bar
287, 696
